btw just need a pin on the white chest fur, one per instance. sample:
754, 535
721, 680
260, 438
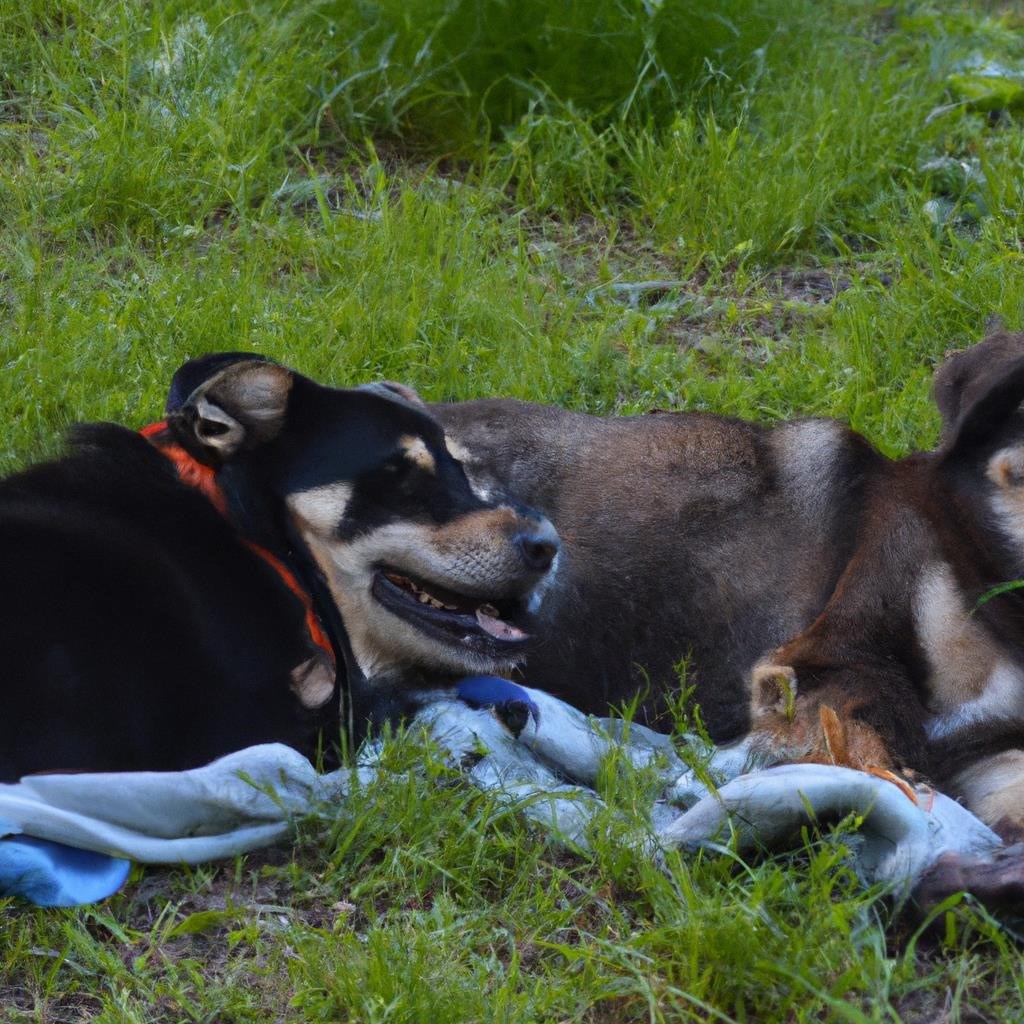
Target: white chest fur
970, 679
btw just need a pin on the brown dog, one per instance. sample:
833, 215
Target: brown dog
820, 594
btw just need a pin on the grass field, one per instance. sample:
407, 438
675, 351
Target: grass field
459, 194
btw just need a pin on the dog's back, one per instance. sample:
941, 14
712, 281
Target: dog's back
686, 538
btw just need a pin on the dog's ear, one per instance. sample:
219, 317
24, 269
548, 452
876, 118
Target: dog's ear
391, 389
197, 372
773, 690
978, 390
238, 407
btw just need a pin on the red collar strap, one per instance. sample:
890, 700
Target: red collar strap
204, 479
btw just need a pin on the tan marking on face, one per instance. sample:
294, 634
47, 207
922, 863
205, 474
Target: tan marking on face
474, 556
416, 451
993, 788
320, 509
463, 537
1006, 470
381, 640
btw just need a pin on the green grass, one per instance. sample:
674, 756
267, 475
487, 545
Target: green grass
448, 192
422, 900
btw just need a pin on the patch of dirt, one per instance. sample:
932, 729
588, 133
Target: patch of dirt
77, 1007
603, 260
260, 895
770, 307
807, 285
937, 1007
615, 264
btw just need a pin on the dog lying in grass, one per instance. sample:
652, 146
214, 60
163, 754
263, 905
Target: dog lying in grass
207, 585
176, 594
824, 598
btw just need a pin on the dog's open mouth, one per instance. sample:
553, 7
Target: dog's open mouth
481, 625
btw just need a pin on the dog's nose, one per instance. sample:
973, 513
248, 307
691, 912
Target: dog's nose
538, 546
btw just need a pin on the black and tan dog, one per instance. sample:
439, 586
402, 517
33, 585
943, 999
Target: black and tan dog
173, 595
807, 581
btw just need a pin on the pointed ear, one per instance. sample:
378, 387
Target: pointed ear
237, 408
978, 389
396, 392
773, 690
191, 376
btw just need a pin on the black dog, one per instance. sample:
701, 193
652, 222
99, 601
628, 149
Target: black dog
172, 595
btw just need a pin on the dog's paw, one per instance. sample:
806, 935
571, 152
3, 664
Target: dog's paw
996, 879
509, 702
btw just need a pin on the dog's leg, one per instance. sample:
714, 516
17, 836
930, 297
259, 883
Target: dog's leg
993, 788
847, 687
840, 717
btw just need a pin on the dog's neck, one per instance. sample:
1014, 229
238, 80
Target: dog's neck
296, 570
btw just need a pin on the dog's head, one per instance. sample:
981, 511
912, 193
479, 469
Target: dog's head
979, 393
423, 572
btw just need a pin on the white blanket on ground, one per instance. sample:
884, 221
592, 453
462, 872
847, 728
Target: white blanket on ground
251, 798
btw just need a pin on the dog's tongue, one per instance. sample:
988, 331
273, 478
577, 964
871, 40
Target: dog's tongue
498, 627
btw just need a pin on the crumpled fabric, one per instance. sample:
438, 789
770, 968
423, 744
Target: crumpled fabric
69, 838
551, 769
55, 875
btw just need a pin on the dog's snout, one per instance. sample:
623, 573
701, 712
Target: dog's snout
538, 546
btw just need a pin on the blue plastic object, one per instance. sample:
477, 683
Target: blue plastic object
501, 694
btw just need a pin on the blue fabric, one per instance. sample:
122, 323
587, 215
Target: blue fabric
495, 692
54, 875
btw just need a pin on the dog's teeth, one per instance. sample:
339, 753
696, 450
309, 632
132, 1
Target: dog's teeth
423, 598
434, 603
490, 611
496, 627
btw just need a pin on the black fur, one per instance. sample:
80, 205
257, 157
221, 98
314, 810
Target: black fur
139, 629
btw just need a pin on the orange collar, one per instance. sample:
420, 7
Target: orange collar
204, 479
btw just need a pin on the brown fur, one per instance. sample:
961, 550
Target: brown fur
797, 553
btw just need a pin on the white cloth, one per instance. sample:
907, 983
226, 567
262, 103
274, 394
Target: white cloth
251, 798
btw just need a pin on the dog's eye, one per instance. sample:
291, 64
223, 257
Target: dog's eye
410, 462
398, 468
